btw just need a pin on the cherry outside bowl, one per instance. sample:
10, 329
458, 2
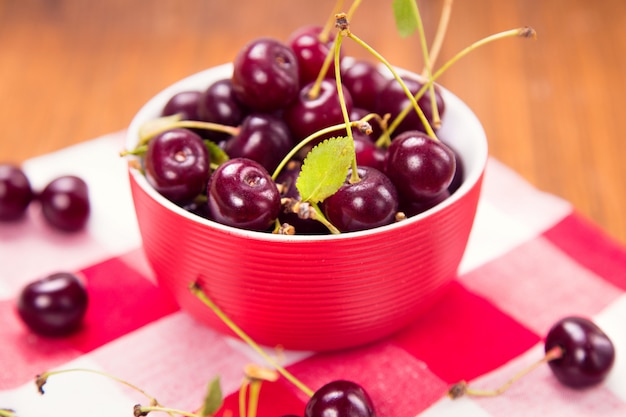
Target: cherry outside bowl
311, 292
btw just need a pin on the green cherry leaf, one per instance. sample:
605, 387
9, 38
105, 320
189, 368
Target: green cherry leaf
405, 13
325, 168
213, 399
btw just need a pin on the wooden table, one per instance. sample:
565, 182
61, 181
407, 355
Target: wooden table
71, 70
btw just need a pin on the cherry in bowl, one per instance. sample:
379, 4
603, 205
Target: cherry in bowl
310, 292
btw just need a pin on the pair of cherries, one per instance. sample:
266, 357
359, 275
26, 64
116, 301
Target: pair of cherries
64, 201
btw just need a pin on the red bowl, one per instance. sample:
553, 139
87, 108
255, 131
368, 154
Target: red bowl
311, 292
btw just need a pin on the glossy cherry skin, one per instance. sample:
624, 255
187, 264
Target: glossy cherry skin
392, 99
177, 164
65, 203
242, 194
15, 192
307, 115
265, 75
311, 52
262, 137
366, 204
419, 166
412, 208
365, 82
588, 353
368, 154
184, 103
54, 305
340, 398
218, 104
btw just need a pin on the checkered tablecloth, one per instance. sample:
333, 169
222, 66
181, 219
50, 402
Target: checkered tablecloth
531, 260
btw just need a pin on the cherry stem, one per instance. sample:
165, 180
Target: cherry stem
242, 398
319, 216
140, 410
323, 37
427, 62
313, 137
43, 378
253, 397
353, 7
196, 289
461, 388
315, 88
429, 130
154, 127
354, 177
442, 29
524, 32
330, 22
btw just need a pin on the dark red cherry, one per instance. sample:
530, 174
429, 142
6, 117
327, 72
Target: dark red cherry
177, 164
588, 353
307, 115
311, 52
365, 82
393, 99
368, 203
184, 103
264, 138
265, 75
368, 154
411, 208
338, 399
420, 167
54, 305
65, 203
15, 192
242, 194
218, 104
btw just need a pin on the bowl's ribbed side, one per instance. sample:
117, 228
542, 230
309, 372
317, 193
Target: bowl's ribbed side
315, 294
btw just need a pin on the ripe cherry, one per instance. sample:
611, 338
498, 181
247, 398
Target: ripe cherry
177, 164
54, 305
264, 138
577, 351
218, 104
368, 154
184, 103
241, 193
65, 203
311, 52
420, 167
340, 398
368, 203
393, 99
307, 115
588, 353
15, 192
265, 75
365, 83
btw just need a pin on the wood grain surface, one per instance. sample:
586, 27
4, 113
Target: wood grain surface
71, 70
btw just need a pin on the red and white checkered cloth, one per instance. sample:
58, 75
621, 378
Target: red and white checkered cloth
532, 259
